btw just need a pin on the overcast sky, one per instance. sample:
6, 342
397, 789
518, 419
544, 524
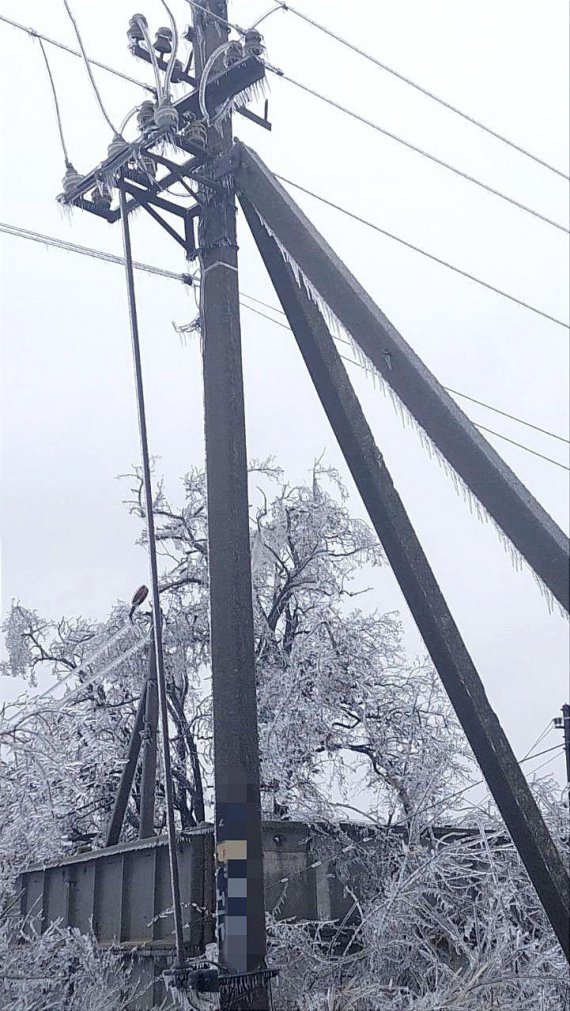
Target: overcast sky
68, 411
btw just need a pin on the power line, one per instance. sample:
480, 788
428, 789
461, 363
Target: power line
521, 446
216, 17
97, 254
19, 718
414, 147
423, 252
35, 34
74, 52
479, 782
55, 102
343, 210
88, 68
359, 365
414, 84
456, 393
505, 414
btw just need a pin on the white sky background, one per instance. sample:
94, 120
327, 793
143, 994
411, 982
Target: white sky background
68, 411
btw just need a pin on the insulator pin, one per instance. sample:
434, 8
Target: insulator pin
101, 197
195, 131
253, 43
166, 116
117, 146
233, 54
134, 31
145, 116
71, 179
163, 41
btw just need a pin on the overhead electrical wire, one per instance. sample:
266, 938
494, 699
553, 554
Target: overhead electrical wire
327, 202
513, 417
479, 782
56, 104
98, 254
418, 87
359, 365
74, 52
423, 252
456, 392
88, 68
216, 17
174, 53
34, 34
394, 136
520, 445
544, 733
11, 725
414, 147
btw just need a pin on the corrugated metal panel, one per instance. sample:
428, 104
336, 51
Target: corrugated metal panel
123, 892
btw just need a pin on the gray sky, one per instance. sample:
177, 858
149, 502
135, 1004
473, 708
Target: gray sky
68, 413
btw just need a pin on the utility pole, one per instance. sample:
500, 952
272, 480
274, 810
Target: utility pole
149, 738
239, 858
563, 723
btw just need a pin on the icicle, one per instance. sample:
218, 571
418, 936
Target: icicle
461, 488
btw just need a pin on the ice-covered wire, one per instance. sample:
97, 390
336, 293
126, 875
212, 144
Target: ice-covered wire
544, 733
88, 67
414, 84
128, 117
73, 52
216, 17
139, 20
96, 254
278, 7
12, 725
175, 42
422, 252
415, 148
99, 254
55, 102
204, 82
520, 445
366, 369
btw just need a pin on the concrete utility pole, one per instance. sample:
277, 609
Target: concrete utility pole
239, 860
563, 723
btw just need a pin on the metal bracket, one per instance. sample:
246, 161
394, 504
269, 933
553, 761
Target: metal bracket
226, 164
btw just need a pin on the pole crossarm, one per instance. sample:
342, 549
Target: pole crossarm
419, 586
523, 520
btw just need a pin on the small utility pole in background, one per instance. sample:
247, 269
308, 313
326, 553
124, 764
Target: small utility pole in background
239, 858
149, 744
563, 723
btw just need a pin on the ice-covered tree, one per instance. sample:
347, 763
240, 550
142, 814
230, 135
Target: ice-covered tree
339, 704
